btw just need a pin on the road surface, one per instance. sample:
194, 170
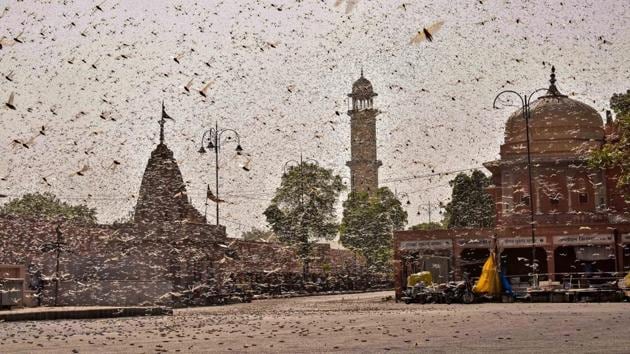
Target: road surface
358, 323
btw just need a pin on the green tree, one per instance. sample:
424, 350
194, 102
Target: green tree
303, 208
256, 234
368, 224
425, 226
615, 153
46, 205
470, 205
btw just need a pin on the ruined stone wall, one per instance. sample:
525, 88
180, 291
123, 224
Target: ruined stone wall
264, 257
114, 265
253, 256
142, 264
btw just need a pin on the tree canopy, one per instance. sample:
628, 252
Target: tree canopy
46, 205
368, 224
470, 205
303, 208
615, 153
424, 226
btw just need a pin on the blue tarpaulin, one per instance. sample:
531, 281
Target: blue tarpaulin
507, 287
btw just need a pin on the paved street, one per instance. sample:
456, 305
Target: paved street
339, 323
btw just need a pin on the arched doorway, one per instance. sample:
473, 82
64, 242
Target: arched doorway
584, 265
472, 260
564, 260
516, 262
585, 259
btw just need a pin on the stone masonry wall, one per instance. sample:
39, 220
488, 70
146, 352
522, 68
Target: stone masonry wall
113, 265
142, 264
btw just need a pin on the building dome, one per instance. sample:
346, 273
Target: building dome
557, 124
362, 88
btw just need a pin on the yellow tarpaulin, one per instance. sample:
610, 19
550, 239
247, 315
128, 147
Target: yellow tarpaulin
489, 282
415, 278
626, 280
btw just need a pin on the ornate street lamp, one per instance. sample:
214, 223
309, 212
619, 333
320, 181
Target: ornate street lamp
212, 139
525, 108
429, 209
298, 163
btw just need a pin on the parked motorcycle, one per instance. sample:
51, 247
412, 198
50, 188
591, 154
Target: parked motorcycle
459, 292
422, 294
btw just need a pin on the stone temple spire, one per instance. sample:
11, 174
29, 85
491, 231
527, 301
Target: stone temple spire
163, 197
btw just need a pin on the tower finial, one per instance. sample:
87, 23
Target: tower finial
553, 90
361, 70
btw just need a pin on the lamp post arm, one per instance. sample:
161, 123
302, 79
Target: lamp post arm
494, 103
284, 168
535, 92
209, 133
220, 134
315, 162
203, 138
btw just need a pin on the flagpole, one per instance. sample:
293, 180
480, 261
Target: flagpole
217, 136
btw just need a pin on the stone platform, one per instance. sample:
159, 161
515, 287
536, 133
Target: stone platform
72, 312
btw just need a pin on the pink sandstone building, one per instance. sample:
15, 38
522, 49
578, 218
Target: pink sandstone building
581, 218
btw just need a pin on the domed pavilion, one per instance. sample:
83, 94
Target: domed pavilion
581, 220
562, 132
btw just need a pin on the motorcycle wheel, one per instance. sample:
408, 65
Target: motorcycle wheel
468, 297
448, 299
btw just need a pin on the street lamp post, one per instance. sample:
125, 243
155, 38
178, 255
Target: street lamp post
304, 236
429, 208
525, 108
58, 246
211, 139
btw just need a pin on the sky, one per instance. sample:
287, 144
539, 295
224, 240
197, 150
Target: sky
279, 72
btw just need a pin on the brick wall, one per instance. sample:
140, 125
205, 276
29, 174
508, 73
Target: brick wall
104, 264
141, 264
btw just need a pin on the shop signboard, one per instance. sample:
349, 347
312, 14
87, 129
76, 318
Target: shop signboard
524, 241
426, 245
577, 240
475, 243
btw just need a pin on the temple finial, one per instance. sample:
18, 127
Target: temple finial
553, 90
162, 125
362, 71
162, 131
162, 120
